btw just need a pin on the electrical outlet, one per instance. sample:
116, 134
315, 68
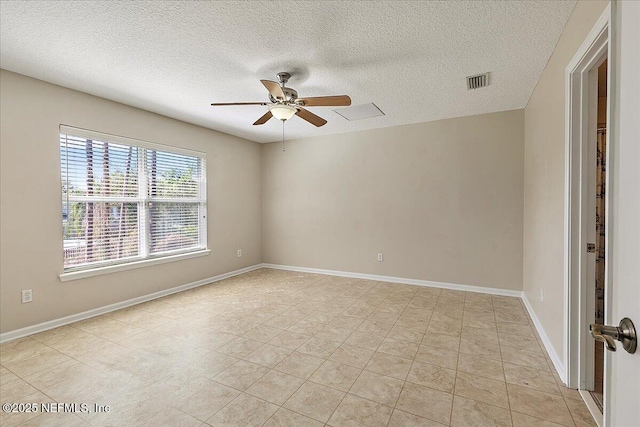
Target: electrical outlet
239, 253
380, 258
541, 295
27, 295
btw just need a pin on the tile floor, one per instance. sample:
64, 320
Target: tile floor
275, 348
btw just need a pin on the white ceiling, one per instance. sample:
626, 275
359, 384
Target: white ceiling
176, 57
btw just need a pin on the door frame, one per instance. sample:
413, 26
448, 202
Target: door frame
579, 134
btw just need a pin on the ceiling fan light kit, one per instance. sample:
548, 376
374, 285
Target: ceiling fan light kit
285, 103
282, 111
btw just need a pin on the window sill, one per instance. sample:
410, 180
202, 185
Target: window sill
82, 274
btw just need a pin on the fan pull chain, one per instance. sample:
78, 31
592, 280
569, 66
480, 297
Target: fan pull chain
283, 136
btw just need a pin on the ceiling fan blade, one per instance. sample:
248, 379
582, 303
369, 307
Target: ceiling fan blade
310, 117
264, 119
325, 101
223, 104
274, 88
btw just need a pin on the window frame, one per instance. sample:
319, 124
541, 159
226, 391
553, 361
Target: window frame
143, 199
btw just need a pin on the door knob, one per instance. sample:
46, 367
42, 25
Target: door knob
625, 333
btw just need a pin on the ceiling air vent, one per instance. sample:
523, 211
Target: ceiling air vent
478, 81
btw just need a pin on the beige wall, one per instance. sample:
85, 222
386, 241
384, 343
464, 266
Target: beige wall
442, 201
543, 262
31, 228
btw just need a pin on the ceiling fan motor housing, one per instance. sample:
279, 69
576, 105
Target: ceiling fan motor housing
290, 95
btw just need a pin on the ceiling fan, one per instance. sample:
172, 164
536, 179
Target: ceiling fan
285, 102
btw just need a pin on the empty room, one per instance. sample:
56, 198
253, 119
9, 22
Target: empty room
319, 213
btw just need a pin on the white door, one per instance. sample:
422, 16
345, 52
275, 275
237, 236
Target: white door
622, 380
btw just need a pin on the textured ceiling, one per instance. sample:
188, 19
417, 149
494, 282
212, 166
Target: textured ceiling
175, 58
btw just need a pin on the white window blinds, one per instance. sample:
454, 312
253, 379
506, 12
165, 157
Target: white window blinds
126, 200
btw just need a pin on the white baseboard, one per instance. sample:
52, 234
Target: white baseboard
557, 361
443, 285
45, 326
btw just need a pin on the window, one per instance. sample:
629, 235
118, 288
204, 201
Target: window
125, 200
